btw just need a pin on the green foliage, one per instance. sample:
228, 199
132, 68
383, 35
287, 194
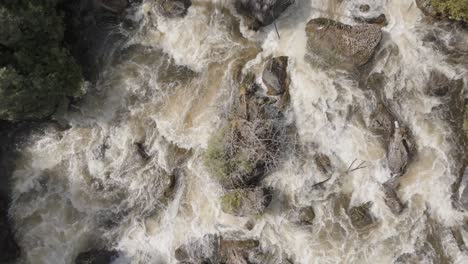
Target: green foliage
223, 162
232, 201
455, 9
36, 70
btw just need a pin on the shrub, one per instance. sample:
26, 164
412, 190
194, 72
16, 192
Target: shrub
455, 9
36, 71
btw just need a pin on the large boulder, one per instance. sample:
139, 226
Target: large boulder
97, 257
382, 122
246, 202
400, 151
340, 45
173, 8
252, 143
260, 13
275, 75
9, 250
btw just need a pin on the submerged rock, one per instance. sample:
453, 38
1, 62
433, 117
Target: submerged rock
342, 45
400, 151
245, 202
361, 217
323, 163
9, 250
275, 76
173, 8
391, 199
260, 13
441, 85
97, 257
302, 216
382, 122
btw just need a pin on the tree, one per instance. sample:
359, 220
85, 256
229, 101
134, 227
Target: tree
37, 71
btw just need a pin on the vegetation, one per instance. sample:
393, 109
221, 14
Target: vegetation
231, 202
36, 71
455, 9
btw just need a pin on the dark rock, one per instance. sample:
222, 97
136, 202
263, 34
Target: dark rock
173, 8
382, 122
116, 6
426, 7
400, 151
245, 202
141, 151
438, 84
97, 257
323, 163
340, 45
302, 216
364, 8
9, 250
361, 217
380, 20
260, 13
275, 76
391, 199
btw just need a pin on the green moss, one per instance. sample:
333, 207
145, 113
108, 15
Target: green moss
224, 163
232, 201
455, 9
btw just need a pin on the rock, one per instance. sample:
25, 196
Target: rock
99, 256
426, 7
302, 216
364, 8
245, 202
9, 250
275, 75
391, 199
323, 163
215, 249
400, 151
382, 122
341, 45
380, 20
361, 217
260, 13
438, 84
173, 8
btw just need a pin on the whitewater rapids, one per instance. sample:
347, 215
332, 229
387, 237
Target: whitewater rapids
169, 89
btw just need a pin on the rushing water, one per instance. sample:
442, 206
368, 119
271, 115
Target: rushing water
170, 88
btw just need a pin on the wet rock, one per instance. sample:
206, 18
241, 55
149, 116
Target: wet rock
141, 151
400, 151
361, 217
275, 76
391, 199
173, 8
439, 84
380, 20
245, 202
260, 13
341, 45
97, 257
302, 216
9, 250
364, 8
254, 140
323, 163
382, 122
426, 7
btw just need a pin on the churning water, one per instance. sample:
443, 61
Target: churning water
144, 128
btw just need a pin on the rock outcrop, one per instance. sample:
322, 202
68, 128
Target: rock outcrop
400, 151
173, 8
96, 256
340, 45
275, 75
245, 202
260, 13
